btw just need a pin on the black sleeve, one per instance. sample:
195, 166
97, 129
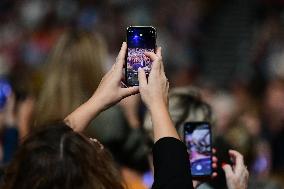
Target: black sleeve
171, 165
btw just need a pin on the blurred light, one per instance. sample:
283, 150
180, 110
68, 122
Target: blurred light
5, 91
135, 37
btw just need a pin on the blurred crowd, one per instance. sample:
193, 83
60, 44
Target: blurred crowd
41, 43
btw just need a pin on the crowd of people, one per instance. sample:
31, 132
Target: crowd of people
55, 59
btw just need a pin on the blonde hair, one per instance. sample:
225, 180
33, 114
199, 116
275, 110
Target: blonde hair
185, 104
74, 72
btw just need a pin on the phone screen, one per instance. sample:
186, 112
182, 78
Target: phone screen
197, 136
139, 40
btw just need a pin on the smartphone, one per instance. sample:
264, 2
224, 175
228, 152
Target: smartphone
139, 40
5, 91
198, 139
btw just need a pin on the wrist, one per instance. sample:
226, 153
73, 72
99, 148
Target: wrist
94, 105
79, 119
157, 106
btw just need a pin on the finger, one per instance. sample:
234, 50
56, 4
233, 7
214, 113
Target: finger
214, 175
214, 159
156, 64
228, 170
238, 160
159, 52
214, 165
168, 85
151, 55
214, 151
111, 69
121, 56
129, 91
161, 65
142, 78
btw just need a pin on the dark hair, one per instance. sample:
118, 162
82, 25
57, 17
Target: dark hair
57, 157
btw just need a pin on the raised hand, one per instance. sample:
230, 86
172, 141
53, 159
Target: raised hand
236, 175
107, 94
110, 91
154, 92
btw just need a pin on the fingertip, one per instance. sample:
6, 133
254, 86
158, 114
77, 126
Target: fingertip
235, 154
130, 91
224, 164
159, 51
140, 70
141, 77
151, 55
135, 88
232, 151
214, 175
147, 53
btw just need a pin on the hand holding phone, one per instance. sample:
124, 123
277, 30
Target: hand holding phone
108, 93
140, 39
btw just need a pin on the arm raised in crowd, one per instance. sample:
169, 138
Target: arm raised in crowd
154, 94
107, 94
170, 158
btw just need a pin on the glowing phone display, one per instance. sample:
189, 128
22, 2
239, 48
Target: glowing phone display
197, 136
139, 40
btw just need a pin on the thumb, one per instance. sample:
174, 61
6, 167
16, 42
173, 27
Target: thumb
228, 170
125, 92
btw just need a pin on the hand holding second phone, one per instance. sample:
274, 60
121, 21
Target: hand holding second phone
155, 91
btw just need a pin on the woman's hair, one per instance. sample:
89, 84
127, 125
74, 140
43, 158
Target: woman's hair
74, 71
56, 157
185, 104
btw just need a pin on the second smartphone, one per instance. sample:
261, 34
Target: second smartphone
139, 40
198, 139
